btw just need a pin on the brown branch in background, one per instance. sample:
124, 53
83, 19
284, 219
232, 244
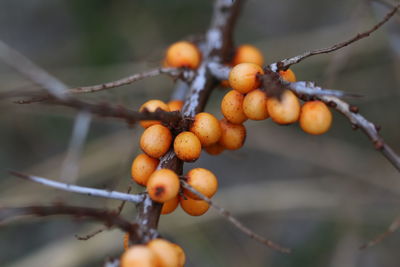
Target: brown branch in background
379, 238
109, 218
286, 63
235, 222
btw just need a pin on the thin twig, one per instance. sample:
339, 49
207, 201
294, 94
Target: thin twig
235, 222
379, 238
134, 198
286, 63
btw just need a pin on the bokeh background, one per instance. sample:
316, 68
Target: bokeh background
323, 196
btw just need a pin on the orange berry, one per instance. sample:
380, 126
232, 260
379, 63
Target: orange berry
232, 107
248, 54
243, 77
152, 105
255, 105
139, 255
170, 205
233, 135
175, 105
315, 117
206, 127
286, 110
214, 149
187, 146
156, 140
166, 253
163, 185
194, 207
288, 75
203, 181
142, 167
183, 54
181, 255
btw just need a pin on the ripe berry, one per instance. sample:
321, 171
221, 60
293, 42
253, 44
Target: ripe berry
166, 253
248, 54
232, 107
170, 205
139, 255
315, 117
233, 135
175, 105
183, 54
243, 77
156, 140
187, 146
255, 105
142, 167
194, 207
163, 185
214, 149
152, 105
203, 181
288, 75
181, 255
206, 127
286, 110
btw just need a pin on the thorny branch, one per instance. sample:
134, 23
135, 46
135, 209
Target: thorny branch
235, 222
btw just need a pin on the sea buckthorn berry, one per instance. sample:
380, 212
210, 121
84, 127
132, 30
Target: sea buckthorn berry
181, 255
203, 181
152, 105
163, 185
170, 205
206, 127
243, 77
183, 54
187, 146
142, 167
214, 149
255, 105
286, 110
175, 105
232, 107
248, 54
288, 75
156, 140
194, 207
233, 135
166, 253
139, 255
315, 117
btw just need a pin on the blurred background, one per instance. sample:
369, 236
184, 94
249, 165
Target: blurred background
323, 196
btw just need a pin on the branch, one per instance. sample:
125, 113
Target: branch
379, 238
235, 222
81, 189
286, 63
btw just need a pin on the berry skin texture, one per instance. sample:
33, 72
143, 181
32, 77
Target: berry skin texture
285, 111
248, 54
139, 255
181, 255
232, 107
255, 105
203, 181
288, 75
194, 207
233, 135
169, 206
315, 117
243, 77
187, 146
163, 185
142, 167
206, 127
156, 140
175, 105
183, 54
152, 105
166, 253
214, 149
